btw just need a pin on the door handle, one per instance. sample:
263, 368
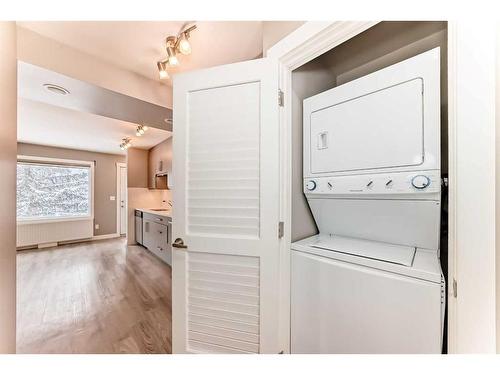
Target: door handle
179, 243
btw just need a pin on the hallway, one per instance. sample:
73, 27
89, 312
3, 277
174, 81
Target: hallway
93, 297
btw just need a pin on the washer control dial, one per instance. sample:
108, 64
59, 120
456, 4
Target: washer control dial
311, 185
420, 181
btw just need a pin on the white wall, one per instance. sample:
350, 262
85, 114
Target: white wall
8, 146
38, 50
472, 184
274, 31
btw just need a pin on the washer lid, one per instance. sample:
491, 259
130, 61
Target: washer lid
385, 252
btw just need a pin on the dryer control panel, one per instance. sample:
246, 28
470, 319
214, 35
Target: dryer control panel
417, 182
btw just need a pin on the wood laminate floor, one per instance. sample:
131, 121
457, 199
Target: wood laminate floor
95, 297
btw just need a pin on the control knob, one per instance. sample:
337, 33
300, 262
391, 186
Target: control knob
420, 181
311, 185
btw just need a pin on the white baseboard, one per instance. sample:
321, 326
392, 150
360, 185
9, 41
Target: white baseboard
47, 244
105, 236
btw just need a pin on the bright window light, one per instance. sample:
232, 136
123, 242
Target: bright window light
50, 191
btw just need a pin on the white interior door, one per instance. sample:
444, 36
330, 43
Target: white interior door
123, 199
226, 167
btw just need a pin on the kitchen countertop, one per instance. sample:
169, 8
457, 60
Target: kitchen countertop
167, 214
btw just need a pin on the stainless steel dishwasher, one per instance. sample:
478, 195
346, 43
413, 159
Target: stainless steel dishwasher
138, 227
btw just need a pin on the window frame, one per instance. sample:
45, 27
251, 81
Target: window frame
60, 163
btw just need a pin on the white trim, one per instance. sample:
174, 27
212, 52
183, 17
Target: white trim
301, 46
118, 196
43, 159
452, 186
105, 236
62, 162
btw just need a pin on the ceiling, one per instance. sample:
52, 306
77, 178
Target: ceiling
137, 45
49, 125
89, 98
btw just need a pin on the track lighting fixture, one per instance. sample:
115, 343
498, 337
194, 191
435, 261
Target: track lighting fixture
141, 129
126, 143
173, 45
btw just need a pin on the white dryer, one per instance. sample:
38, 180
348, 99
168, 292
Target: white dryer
371, 281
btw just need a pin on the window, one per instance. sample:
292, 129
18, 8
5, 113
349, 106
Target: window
53, 191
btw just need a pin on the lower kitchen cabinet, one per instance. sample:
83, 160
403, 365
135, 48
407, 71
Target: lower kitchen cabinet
156, 238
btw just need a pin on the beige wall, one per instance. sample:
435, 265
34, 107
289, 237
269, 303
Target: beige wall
308, 80
274, 31
104, 184
163, 152
36, 49
8, 118
137, 168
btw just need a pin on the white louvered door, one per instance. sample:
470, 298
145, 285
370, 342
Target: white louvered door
226, 209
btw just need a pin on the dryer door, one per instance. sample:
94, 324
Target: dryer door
381, 129
385, 121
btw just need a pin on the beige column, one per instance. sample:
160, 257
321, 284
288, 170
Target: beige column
8, 151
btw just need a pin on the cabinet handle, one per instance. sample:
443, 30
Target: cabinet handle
160, 232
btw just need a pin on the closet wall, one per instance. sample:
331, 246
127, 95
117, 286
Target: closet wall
380, 46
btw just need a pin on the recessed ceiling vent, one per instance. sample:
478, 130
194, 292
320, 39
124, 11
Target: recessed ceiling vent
56, 89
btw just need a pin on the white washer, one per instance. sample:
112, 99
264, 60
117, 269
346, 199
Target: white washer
371, 281
344, 303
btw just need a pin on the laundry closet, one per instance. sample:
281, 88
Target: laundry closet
369, 194
311, 209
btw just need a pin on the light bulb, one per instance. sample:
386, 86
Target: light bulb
184, 45
141, 130
173, 60
163, 74
162, 69
122, 146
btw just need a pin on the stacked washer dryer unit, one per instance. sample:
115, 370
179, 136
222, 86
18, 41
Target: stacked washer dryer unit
371, 280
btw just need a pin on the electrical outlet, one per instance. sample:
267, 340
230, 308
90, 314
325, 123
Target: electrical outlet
97, 226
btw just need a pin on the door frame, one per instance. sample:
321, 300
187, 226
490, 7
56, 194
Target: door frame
315, 38
118, 199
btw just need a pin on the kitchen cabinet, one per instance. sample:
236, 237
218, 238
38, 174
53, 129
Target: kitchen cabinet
160, 162
156, 236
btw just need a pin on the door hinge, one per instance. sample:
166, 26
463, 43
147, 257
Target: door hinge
281, 229
281, 98
454, 288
